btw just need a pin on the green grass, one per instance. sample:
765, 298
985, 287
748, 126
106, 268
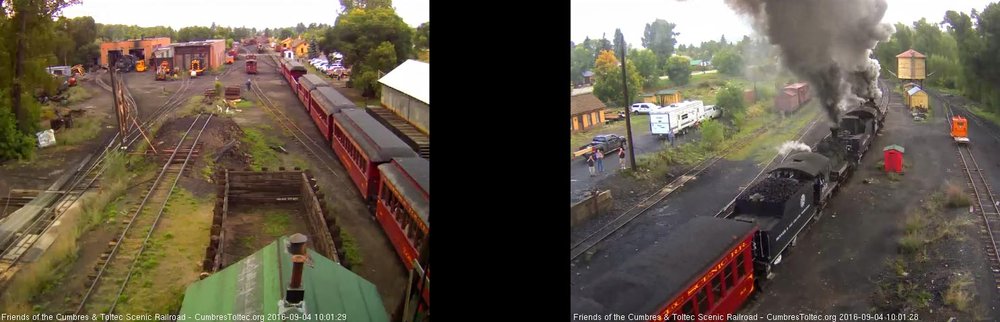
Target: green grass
77, 94
245, 104
982, 113
258, 145
84, 129
762, 148
194, 106
956, 196
351, 252
276, 223
959, 294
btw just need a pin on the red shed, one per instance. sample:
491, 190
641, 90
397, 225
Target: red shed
893, 158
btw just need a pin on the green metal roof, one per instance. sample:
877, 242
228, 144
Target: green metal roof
666, 92
895, 147
646, 95
253, 286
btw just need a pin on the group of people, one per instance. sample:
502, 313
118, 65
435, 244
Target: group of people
598, 159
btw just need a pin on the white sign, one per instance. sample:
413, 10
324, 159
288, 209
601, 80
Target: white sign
46, 138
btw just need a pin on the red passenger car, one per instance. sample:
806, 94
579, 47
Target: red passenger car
307, 83
362, 143
403, 205
686, 273
326, 101
251, 66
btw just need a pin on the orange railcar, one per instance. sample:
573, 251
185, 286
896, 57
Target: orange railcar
960, 129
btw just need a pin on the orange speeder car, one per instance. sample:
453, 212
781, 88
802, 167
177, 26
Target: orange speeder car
960, 129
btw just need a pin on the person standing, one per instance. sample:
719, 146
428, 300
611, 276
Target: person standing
248, 84
621, 157
600, 161
590, 164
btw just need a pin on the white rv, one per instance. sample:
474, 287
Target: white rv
676, 118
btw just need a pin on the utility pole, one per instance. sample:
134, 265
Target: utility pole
628, 113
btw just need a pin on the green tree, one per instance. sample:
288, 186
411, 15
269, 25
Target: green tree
730, 99
608, 80
728, 61
712, 133
679, 70
645, 63
379, 61
349, 5
360, 31
659, 37
285, 33
581, 60
421, 38
194, 33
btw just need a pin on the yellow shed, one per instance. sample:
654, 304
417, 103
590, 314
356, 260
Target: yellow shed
585, 111
912, 65
648, 98
668, 96
917, 98
287, 42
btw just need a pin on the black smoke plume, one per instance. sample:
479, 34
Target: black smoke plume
826, 42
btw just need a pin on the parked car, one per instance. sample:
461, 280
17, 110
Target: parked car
642, 108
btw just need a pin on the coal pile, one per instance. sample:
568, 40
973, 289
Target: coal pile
771, 190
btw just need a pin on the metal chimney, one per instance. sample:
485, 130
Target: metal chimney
295, 293
297, 244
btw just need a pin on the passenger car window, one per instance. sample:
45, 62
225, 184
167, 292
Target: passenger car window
717, 287
702, 301
741, 269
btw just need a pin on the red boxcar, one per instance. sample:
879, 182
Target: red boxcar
362, 143
307, 83
251, 66
702, 267
403, 204
791, 97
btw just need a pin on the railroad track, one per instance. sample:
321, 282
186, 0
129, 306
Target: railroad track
119, 263
985, 203
320, 151
86, 176
645, 205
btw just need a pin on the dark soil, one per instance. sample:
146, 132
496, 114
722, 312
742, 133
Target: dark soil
221, 132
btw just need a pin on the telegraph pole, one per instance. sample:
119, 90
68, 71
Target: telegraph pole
628, 113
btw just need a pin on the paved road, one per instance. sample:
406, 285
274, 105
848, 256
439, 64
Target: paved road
645, 143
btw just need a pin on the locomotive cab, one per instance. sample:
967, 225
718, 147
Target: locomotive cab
960, 129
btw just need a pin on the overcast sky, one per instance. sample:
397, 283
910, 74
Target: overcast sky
704, 20
234, 13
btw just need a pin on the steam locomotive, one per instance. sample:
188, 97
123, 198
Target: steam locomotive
711, 266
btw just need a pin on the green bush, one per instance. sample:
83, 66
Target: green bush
712, 133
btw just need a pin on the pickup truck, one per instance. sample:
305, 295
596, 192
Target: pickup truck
604, 143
